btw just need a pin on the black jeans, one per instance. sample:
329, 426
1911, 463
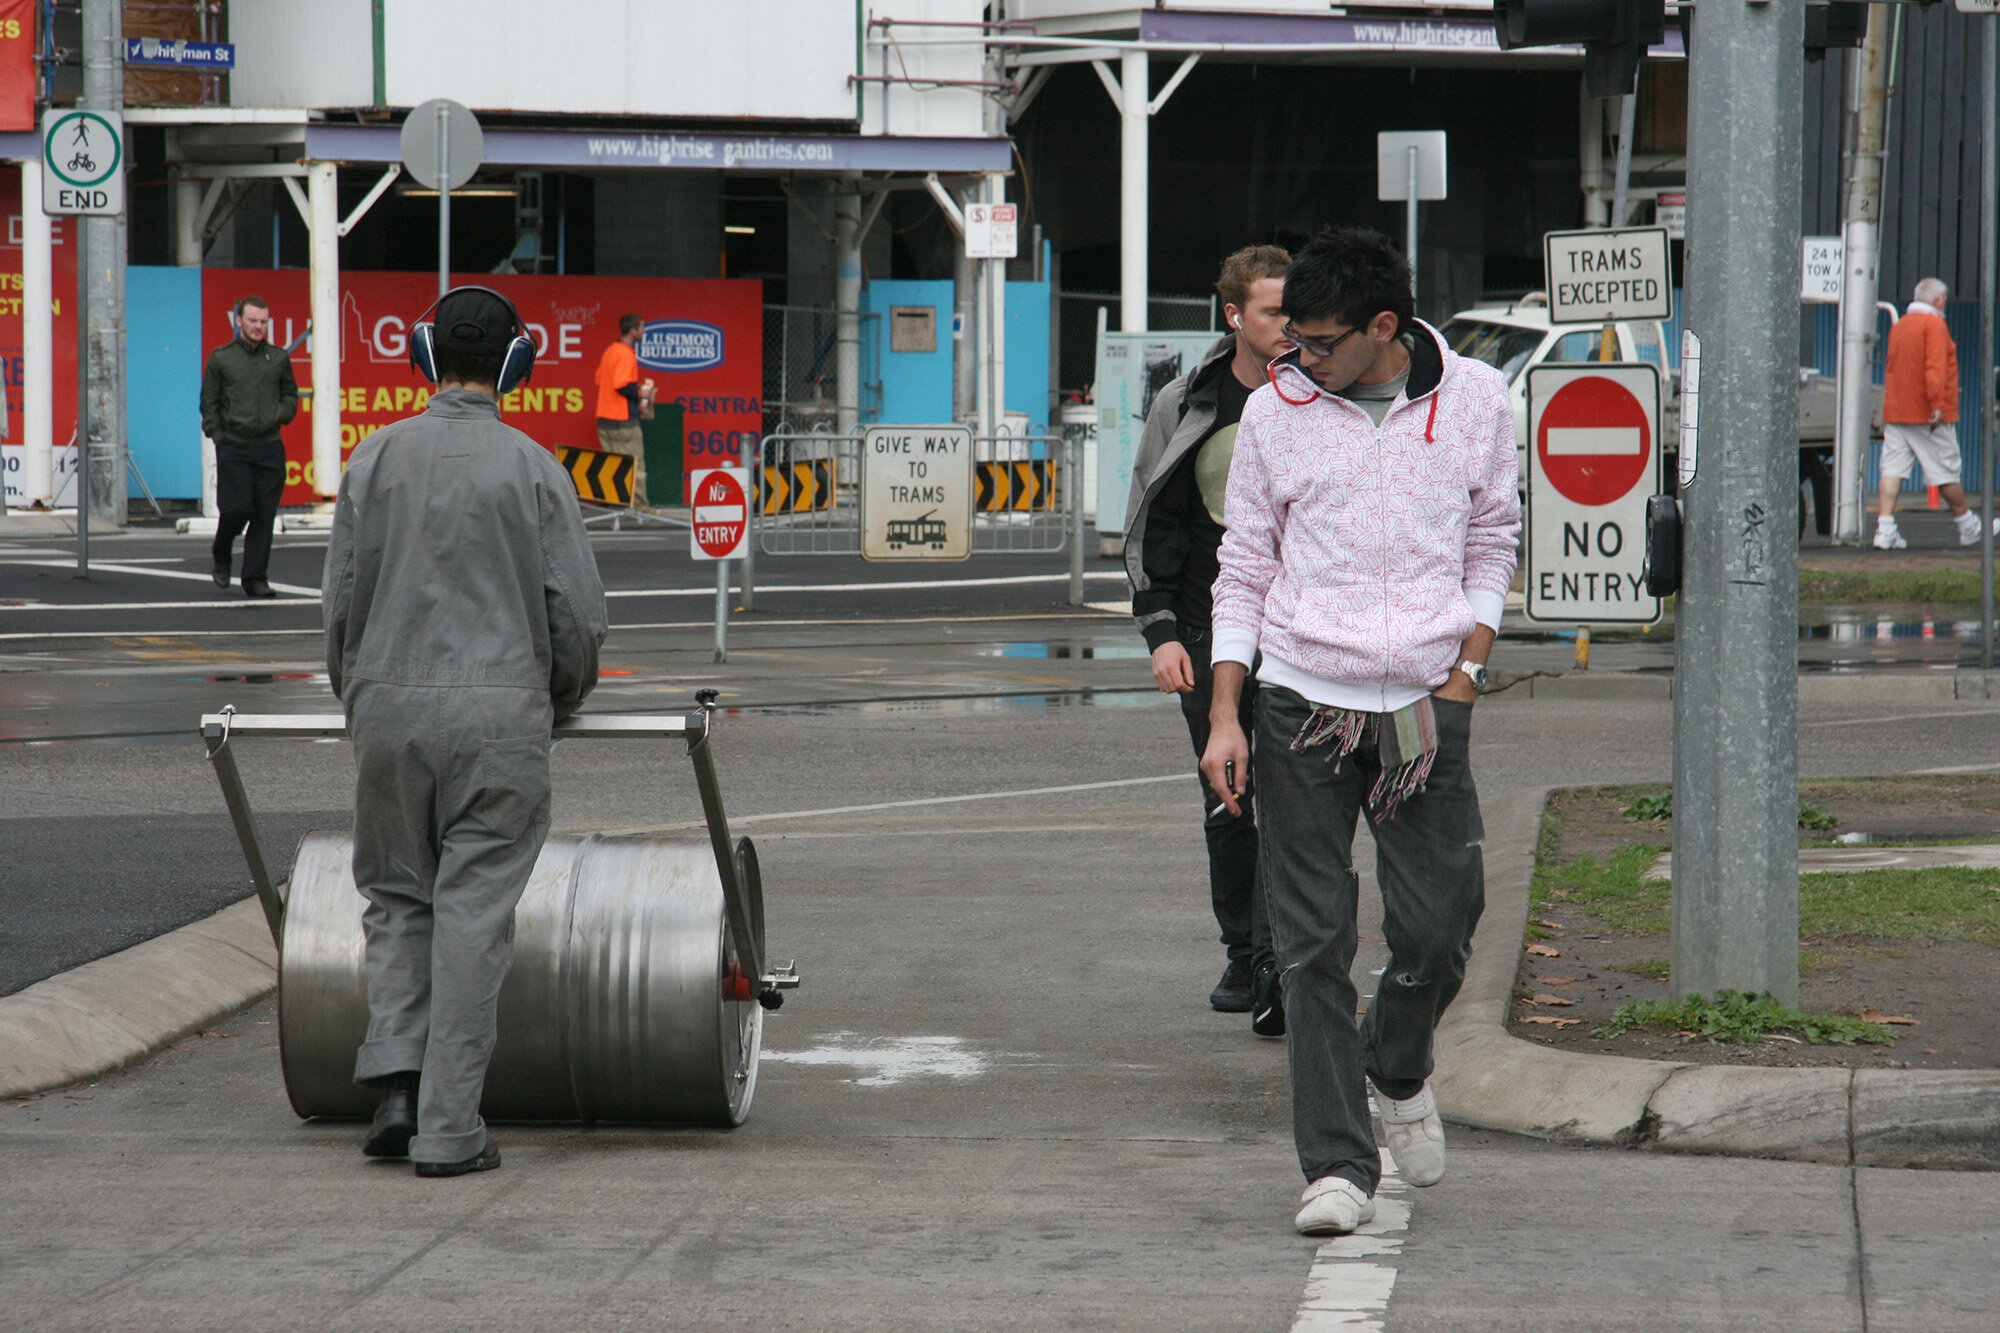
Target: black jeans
1232, 839
1432, 877
248, 481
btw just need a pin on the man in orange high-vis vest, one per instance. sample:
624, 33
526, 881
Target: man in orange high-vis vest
620, 400
1920, 415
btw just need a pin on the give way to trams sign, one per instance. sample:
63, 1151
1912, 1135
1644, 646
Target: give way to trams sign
916, 493
1593, 460
720, 501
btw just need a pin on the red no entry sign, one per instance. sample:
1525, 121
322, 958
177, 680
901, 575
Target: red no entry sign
1595, 440
721, 516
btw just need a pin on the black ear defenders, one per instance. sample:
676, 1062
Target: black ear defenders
515, 367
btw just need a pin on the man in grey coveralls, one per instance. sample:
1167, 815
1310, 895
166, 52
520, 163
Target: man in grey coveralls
463, 617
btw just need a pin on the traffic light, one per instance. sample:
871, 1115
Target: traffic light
1614, 34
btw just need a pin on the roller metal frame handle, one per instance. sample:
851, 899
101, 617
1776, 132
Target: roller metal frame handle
218, 729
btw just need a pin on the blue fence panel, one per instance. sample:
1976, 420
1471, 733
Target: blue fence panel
163, 360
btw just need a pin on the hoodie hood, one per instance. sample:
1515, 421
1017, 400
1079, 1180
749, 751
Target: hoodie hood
1427, 367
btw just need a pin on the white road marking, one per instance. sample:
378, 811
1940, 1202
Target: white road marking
234, 605
1345, 1289
1904, 717
889, 1060
947, 800
114, 567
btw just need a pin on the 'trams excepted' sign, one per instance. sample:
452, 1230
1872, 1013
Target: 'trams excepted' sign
1606, 274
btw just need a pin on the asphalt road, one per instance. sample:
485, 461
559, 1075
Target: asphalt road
999, 1100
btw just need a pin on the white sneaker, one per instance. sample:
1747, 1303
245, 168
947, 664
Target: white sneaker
1968, 528
1333, 1206
1414, 1135
1888, 537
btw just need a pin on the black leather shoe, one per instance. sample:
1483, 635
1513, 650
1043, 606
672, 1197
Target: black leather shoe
395, 1120
484, 1160
257, 588
220, 574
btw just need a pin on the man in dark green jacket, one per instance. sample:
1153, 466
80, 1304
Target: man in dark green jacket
247, 395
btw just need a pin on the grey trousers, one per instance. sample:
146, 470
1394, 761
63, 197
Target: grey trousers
451, 805
1429, 867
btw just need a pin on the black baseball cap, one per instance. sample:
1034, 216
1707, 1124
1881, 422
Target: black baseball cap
475, 321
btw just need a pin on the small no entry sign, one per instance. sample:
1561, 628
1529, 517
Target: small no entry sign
1594, 463
720, 500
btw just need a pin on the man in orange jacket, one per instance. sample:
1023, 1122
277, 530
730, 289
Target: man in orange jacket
622, 399
1920, 415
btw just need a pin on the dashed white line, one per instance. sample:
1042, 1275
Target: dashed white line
1348, 1288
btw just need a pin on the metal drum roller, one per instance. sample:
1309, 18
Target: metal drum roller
631, 994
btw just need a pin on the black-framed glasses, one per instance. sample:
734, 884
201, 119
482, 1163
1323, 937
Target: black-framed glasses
1314, 345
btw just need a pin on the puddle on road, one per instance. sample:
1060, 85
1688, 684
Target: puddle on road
1846, 629
1102, 649
882, 1062
265, 678
1146, 697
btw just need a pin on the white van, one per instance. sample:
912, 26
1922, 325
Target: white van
1516, 335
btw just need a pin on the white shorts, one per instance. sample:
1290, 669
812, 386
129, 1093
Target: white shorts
1936, 447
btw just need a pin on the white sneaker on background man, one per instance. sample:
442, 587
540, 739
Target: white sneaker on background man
1888, 537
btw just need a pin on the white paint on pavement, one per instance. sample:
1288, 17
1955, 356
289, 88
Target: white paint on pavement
886, 1061
945, 800
1348, 1288
115, 567
890, 586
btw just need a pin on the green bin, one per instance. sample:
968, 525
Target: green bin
662, 434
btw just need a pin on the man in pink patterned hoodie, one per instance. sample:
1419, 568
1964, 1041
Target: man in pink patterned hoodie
1372, 516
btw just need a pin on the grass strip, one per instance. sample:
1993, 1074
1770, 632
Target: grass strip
1734, 1016
1916, 586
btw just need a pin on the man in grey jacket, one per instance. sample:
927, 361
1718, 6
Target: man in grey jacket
1173, 529
463, 617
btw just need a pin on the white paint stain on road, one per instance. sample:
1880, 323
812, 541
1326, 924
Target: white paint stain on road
1347, 1289
882, 1062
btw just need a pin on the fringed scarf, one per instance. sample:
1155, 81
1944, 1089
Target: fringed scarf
1406, 743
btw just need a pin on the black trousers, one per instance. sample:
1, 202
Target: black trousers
248, 481
1232, 839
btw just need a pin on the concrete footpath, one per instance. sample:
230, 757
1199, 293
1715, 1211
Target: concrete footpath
121, 1009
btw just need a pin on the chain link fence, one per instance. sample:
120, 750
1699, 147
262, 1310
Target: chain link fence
1027, 489
801, 351
1076, 328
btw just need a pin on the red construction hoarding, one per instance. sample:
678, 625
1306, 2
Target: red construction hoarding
63, 262
17, 64
703, 347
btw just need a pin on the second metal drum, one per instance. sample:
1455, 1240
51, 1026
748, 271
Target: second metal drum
623, 1001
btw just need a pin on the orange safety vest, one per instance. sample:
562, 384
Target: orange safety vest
618, 367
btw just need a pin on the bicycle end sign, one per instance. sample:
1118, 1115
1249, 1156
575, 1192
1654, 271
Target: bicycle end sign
83, 163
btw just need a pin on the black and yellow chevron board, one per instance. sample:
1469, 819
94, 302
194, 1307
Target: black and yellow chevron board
1020, 485
796, 488
601, 477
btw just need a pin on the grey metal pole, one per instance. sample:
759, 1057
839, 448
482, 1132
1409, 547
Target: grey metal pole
721, 611
444, 198
80, 459
1989, 412
1735, 880
1076, 520
751, 506
101, 284
1621, 185
1861, 244
1410, 223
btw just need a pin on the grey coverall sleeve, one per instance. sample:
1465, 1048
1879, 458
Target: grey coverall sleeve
336, 585
575, 595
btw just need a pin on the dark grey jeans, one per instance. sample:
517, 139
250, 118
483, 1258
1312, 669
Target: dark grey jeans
1433, 885
1232, 839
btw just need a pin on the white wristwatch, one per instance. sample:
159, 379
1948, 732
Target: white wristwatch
1477, 671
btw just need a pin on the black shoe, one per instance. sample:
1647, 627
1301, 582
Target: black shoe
484, 1160
1267, 1012
395, 1119
1232, 994
220, 574
257, 588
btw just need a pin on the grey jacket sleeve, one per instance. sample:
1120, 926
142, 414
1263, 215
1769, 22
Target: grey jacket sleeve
336, 585
575, 595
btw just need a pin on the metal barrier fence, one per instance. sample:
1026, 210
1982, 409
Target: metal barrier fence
1029, 494
800, 350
